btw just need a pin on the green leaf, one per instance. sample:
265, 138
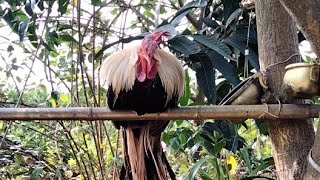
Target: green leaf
174, 143
262, 166
61, 27
63, 5
182, 138
224, 67
29, 6
210, 127
14, 2
185, 10
195, 168
241, 46
229, 6
233, 16
149, 14
205, 75
55, 95
23, 25
114, 11
204, 175
184, 99
8, 17
21, 15
96, 2
36, 172
162, 9
10, 48
66, 38
65, 99
245, 155
215, 44
31, 34
209, 147
210, 23
184, 45
40, 5
218, 146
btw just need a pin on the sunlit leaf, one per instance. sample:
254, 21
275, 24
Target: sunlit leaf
65, 98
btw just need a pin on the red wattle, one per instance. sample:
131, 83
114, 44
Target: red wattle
141, 72
152, 70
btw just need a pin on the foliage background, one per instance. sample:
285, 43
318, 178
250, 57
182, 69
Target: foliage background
50, 55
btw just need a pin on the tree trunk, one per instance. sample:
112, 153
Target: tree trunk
277, 40
307, 15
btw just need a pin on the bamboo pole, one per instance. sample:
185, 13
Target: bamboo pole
234, 113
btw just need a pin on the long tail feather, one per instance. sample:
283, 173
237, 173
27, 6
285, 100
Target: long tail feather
143, 154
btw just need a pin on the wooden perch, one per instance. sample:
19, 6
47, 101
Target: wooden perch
234, 113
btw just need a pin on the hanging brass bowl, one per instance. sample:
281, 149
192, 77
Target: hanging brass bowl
303, 78
247, 92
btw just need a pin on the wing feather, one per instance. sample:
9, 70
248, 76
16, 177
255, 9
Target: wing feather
119, 71
171, 73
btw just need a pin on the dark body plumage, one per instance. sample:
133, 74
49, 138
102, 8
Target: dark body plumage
144, 97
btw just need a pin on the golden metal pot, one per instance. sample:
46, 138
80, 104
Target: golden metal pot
303, 78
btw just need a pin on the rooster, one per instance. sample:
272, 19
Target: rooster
146, 79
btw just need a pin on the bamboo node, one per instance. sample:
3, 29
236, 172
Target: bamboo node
90, 113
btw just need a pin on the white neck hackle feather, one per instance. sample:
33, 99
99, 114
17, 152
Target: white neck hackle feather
119, 70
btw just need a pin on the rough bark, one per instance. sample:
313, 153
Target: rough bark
307, 15
277, 40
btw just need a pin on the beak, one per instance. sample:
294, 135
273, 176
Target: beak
160, 36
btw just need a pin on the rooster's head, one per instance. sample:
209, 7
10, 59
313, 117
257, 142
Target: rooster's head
146, 64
